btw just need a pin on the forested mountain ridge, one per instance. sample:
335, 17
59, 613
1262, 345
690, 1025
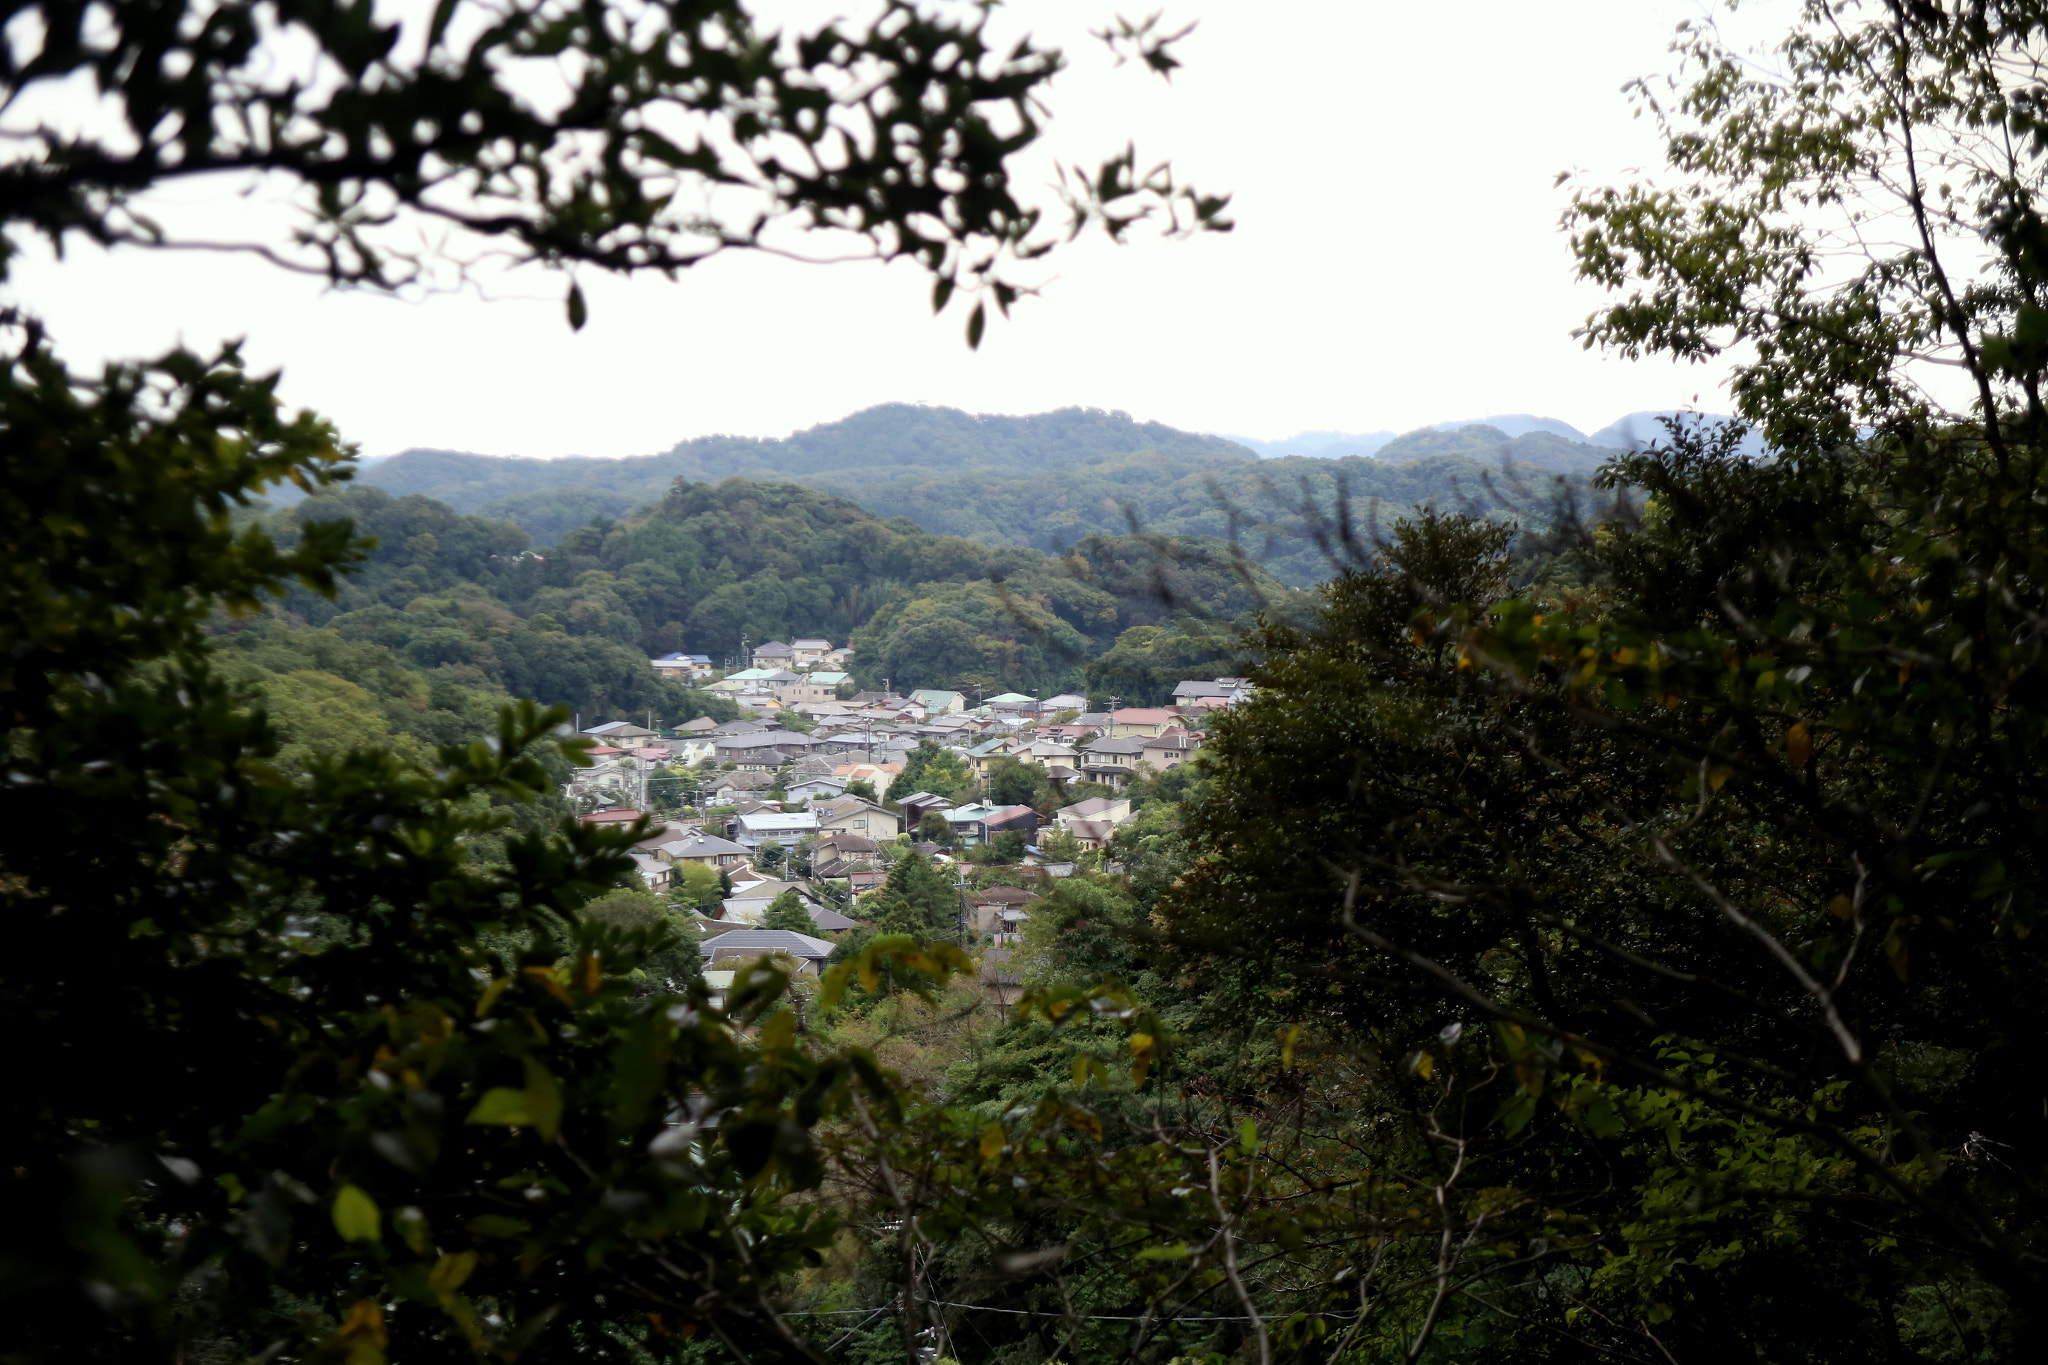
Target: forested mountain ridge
1044, 482
889, 436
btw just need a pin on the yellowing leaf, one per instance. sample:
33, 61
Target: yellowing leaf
450, 1271
1841, 907
589, 973
1287, 1048
362, 1334
779, 1033
1142, 1047
356, 1216
1895, 950
1424, 1065
543, 1100
548, 980
992, 1140
1798, 745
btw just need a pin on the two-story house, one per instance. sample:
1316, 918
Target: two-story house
773, 655
1143, 722
852, 815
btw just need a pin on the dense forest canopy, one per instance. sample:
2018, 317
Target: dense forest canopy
470, 601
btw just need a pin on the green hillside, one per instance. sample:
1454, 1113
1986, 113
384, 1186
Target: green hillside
1045, 482
466, 602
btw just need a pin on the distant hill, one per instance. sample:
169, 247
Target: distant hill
890, 438
1043, 482
1331, 445
1491, 445
1521, 424
1640, 429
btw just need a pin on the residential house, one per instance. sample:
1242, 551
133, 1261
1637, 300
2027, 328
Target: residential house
1170, 750
653, 871
780, 684
915, 805
808, 653
831, 923
708, 849
773, 655
784, 827
1092, 822
887, 700
936, 702
877, 775
1011, 703
763, 751
987, 754
798, 689
1001, 977
965, 821
1046, 753
1114, 753
729, 788
851, 815
1065, 701
1012, 820
841, 846
745, 680
615, 815
748, 904
829, 680
666, 833
729, 951
997, 911
692, 748
685, 668
1145, 722
619, 732
815, 789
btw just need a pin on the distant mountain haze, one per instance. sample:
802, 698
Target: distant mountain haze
1640, 429
1043, 481
1322, 445
894, 436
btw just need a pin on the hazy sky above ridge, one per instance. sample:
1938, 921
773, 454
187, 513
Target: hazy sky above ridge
1397, 261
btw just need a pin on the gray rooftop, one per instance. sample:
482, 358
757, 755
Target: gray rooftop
767, 941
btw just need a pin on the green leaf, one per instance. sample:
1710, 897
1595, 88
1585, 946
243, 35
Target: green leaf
502, 1105
1248, 1137
1169, 1253
543, 1100
578, 313
977, 321
356, 1216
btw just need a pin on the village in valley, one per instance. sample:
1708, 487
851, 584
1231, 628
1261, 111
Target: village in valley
817, 789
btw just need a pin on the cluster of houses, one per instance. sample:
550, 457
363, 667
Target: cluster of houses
814, 787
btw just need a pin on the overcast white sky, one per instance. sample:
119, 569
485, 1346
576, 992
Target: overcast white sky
1396, 262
